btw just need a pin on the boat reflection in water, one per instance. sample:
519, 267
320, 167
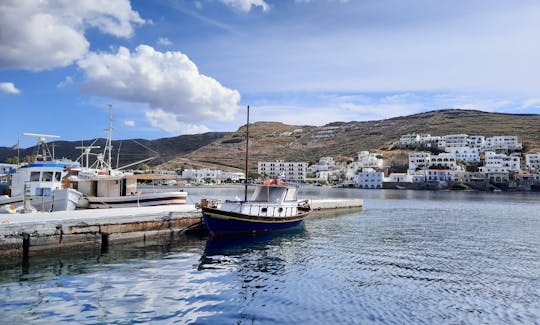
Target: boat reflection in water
226, 251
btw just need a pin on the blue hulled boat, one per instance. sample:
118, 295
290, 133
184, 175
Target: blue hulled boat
273, 206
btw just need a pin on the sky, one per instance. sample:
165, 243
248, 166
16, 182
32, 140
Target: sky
172, 67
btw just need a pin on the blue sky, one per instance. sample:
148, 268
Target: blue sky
172, 67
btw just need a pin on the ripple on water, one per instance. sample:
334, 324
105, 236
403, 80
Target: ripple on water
407, 258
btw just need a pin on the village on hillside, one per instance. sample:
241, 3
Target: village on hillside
454, 161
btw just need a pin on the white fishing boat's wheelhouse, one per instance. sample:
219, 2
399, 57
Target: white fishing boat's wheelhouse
266, 201
40, 178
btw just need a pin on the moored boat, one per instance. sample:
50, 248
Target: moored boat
271, 207
105, 187
41, 185
119, 190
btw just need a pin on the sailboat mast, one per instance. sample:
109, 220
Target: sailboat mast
108, 147
247, 154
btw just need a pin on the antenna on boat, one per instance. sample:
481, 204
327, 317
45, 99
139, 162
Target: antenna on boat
247, 154
42, 145
85, 152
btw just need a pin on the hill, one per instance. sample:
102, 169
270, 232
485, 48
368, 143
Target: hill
342, 140
131, 150
271, 141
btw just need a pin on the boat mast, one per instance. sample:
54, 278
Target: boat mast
108, 146
247, 154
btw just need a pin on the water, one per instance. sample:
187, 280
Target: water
408, 258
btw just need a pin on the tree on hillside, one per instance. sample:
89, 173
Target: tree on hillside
12, 160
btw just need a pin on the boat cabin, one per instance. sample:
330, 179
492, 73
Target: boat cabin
274, 194
41, 179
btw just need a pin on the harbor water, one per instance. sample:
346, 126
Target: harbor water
408, 257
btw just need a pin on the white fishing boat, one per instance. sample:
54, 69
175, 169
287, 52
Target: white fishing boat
40, 185
104, 187
119, 190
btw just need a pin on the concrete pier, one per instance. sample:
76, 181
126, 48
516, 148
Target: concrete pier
23, 235
334, 204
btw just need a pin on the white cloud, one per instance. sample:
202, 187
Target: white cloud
40, 35
168, 122
9, 88
531, 102
164, 41
245, 5
169, 82
130, 123
66, 82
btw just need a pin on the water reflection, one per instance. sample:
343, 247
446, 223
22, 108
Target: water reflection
220, 250
408, 257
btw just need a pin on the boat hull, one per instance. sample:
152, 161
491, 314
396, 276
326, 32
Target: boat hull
130, 201
220, 222
60, 200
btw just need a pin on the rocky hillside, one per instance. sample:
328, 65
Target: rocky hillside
131, 150
270, 141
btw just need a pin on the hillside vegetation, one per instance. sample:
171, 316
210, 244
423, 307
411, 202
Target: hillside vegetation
345, 140
342, 140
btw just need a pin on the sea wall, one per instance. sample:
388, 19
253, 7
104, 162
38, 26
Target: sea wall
24, 235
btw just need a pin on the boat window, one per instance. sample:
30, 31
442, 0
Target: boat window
47, 177
263, 210
34, 177
291, 195
58, 176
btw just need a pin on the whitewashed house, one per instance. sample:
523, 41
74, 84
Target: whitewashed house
408, 139
213, 176
455, 140
477, 141
369, 178
419, 160
325, 164
439, 175
505, 142
499, 162
467, 154
369, 160
398, 178
444, 160
532, 162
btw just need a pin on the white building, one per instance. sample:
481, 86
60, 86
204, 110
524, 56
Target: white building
292, 171
477, 141
212, 176
325, 164
369, 178
532, 161
466, 154
369, 160
456, 140
444, 160
409, 139
499, 162
398, 178
419, 160
506, 142
422, 140
439, 175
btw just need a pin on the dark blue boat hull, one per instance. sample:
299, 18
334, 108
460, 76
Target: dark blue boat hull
218, 225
